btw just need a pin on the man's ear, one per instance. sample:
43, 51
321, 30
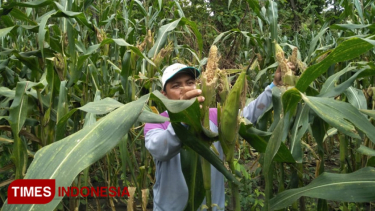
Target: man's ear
164, 93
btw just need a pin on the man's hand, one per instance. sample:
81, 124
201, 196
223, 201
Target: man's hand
188, 93
277, 78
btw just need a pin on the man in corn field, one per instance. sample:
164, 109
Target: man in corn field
170, 189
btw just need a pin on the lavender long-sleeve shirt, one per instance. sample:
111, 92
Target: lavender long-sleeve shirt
170, 189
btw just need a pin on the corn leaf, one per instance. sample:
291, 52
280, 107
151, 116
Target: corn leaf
258, 140
254, 4
356, 98
347, 50
17, 117
341, 115
162, 36
192, 170
273, 146
31, 4
366, 151
371, 113
354, 187
314, 41
330, 89
102, 106
371, 27
78, 151
4, 32
301, 124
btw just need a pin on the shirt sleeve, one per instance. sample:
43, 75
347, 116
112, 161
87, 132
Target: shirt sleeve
259, 105
163, 144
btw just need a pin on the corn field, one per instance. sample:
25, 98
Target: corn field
79, 79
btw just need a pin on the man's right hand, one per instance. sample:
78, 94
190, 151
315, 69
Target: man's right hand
188, 93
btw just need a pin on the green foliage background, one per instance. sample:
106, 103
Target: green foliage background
65, 64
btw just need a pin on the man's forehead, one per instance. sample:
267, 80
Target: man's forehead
181, 76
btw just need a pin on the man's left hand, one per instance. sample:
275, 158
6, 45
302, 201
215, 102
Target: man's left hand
277, 81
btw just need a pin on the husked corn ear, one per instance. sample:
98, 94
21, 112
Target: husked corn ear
209, 80
229, 118
279, 53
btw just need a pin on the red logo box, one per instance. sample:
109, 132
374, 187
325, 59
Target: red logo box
31, 191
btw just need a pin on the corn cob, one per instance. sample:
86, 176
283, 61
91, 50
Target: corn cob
209, 80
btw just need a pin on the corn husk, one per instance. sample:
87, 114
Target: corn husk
229, 117
223, 86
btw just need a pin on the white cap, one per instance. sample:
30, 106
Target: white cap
175, 68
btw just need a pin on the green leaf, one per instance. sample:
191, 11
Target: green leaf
313, 43
102, 106
78, 151
255, 6
371, 113
5, 31
258, 140
6, 92
18, 109
18, 14
162, 36
277, 108
42, 30
301, 123
30, 61
272, 14
32, 4
366, 151
122, 42
17, 117
354, 187
150, 117
141, 7
330, 89
371, 27
358, 7
341, 115
192, 170
262, 72
356, 98
79, 16
290, 100
273, 146
194, 27
349, 49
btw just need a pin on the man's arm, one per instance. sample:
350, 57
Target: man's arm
163, 144
259, 105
